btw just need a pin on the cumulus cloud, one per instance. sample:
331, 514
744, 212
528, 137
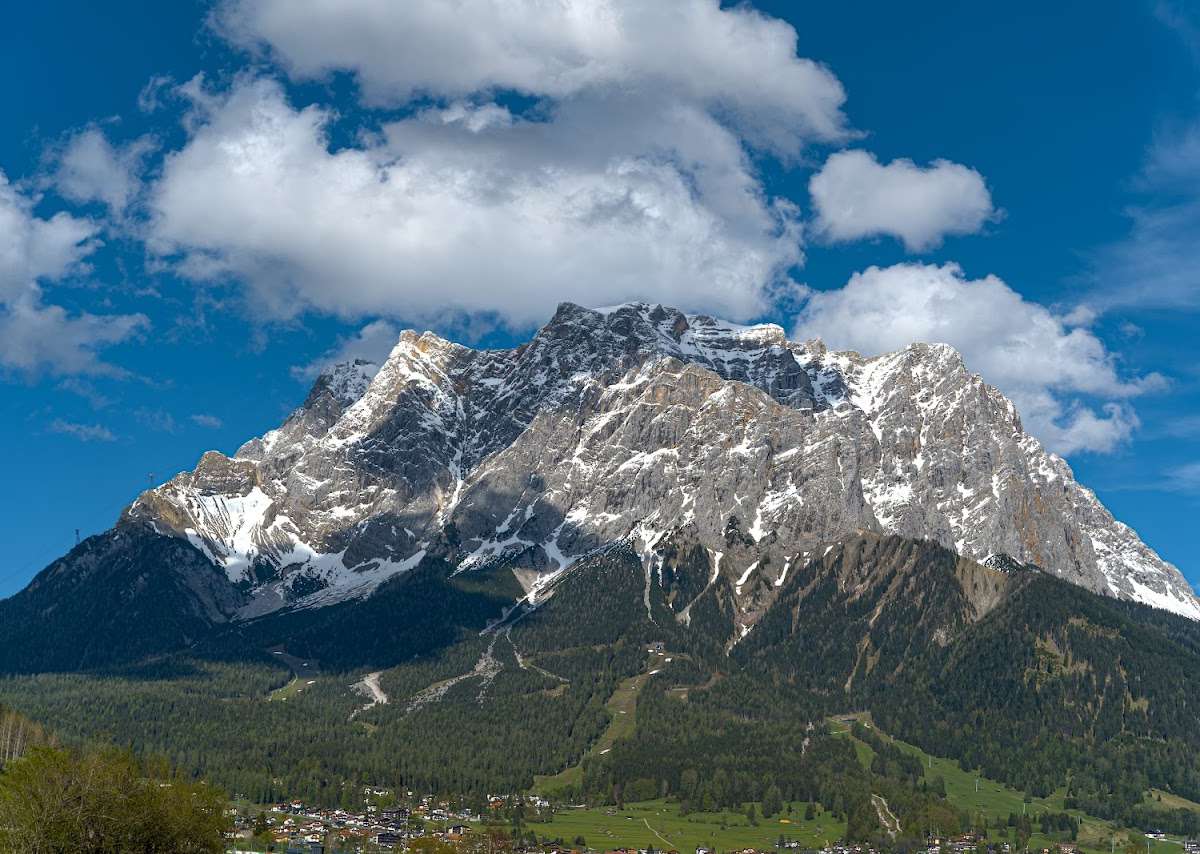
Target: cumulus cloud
372, 344
627, 169
468, 208
90, 169
33, 248
1054, 372
35, 336
210, 422
855, 196
734, 61
82, 432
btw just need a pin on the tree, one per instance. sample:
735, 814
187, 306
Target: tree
261, 827
689, 782
58, 800
752, 814
772, 801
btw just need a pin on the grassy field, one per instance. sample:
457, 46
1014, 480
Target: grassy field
659, 823
304, 674
978, 795
1174, 802
291, 689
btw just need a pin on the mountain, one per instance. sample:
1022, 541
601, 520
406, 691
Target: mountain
612, 688
635, 424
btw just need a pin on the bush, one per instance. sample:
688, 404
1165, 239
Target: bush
95, 802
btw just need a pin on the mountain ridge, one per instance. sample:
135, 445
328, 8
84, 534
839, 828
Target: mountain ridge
633, 423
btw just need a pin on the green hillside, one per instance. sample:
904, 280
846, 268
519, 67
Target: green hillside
991, 801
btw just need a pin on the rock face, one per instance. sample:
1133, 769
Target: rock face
676, 432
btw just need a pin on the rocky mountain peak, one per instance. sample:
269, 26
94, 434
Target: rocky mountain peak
346, 381
638, 423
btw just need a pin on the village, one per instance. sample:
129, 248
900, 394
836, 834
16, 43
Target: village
434, 826
293, 826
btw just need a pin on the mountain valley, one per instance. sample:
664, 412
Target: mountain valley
455, 571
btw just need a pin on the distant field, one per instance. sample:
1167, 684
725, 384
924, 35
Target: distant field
1174, 802
304, 674
658, 823
291, 689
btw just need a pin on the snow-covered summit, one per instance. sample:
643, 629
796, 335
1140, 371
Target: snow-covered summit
638, 422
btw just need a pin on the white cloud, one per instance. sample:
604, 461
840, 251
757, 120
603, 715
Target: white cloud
734, 61
625, 174
90, 168
82, 432
469, 209
157, 88
372, 344
855, 196
1184, 478
87, 391
33, 248
158, 420
35, 336
1048, 368
210, 422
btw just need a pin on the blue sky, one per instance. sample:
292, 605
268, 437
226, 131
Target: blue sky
176, 277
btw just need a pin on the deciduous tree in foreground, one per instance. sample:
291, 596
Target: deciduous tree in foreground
69, 802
